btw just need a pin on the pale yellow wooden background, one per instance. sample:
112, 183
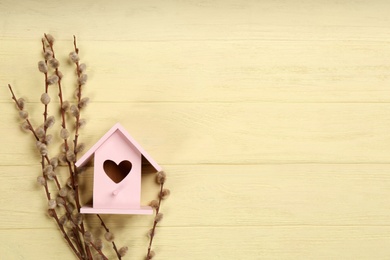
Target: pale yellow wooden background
271, 118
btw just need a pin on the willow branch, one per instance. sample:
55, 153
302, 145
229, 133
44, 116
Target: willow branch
65, 235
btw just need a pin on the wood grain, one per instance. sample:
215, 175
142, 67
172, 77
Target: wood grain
271, 119
213, 71
233, 133
227, 242
261, 195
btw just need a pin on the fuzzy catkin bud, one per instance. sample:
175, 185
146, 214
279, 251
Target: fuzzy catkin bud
62, 158
64, 133
164, 194
98, 257
70, 156
40, 132
51, 176
48, 139
43, 150
52, 204
82, 123
45, 98
23, 114
158, 217
82, 67
63, 149
88, 237
51, 212
42, 67
77, 218
49, 38
161, 177
47, 55
151, 232
38, 144
154, 204
21, 102
84, 102
65, 105
75, 111
71, 194
25, 126
74, 57
80, 148
53, 79
109, 236
41, 180
123, 251
60, 201
47, 169
99, 243
54, 63
69, 207
83, 79
63, 191
54, 162
63, 220
49, 121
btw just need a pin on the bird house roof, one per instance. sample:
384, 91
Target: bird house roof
128, 138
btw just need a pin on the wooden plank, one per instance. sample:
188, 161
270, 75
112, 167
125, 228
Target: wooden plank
221, 243
219, 58
228, 195
240, 133
303, 71
191, 20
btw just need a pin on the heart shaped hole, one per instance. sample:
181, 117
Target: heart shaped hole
117, 172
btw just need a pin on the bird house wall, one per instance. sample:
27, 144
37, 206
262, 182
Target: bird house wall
107, 193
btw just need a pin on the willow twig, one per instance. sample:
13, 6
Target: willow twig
77, 126
63, 120
163, 193
152, 232
113, 243
20, 108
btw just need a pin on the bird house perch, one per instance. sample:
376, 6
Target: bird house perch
117, 174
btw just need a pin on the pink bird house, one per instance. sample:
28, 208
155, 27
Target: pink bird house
117, 174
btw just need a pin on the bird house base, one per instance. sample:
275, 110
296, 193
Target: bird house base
143, 210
